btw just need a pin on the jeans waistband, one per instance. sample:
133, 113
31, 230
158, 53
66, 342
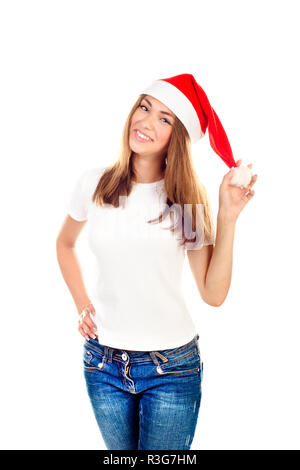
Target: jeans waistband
141, 356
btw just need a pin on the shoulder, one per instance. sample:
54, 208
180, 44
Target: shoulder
81, 197
90, 177
92, 174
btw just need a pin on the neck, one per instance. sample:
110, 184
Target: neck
146, 171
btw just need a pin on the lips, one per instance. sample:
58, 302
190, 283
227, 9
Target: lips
144, 134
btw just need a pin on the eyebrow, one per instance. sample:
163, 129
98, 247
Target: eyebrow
163, 112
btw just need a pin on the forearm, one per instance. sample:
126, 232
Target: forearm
71, 271
218, 277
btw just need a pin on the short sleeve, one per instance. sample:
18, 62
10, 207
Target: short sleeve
197, 245
77, 204
82, 192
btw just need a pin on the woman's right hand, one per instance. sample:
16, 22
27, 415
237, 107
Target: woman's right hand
86, 327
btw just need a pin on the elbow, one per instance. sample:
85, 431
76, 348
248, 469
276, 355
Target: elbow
217, 304
62, 243
214, 298
213, 302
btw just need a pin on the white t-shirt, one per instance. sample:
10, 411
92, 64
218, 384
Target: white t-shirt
137, 293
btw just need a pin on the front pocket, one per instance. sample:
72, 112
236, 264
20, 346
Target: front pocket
185, 365
92, 361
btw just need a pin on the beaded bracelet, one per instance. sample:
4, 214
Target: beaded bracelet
86, 307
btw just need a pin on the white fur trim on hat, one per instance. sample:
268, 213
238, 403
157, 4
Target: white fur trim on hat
179, 104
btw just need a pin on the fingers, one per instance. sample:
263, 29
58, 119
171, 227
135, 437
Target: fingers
90, 324
91, 309
83, 333
239, 162
87, 318
87, 327
86, 331
228, 175
86, 313
253, 180
249, 195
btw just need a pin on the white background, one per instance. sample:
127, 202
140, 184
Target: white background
70, 72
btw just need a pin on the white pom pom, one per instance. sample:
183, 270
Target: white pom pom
241, 176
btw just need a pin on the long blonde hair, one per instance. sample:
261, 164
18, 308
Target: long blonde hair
181, 183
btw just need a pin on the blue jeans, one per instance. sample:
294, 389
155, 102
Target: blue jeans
144, 399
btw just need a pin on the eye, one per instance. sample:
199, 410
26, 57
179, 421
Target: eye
143, 106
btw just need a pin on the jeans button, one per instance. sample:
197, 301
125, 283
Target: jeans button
124, 356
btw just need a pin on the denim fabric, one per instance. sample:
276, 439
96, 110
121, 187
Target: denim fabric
144, 399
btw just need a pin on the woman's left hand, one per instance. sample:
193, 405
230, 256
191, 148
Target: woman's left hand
232, 199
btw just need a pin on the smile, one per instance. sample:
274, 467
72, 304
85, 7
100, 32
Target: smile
141, 137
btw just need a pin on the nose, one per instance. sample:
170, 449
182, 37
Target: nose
147, 122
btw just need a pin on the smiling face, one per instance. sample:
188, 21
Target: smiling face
154, 120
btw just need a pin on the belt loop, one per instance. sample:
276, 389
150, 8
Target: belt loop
155, 354
111, 350
165, 359
154, 358
106, 354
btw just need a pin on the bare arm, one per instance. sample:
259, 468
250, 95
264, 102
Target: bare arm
71, 270
199, 262
212, 265
218, 277
232, 200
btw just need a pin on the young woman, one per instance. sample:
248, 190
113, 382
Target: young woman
141, 358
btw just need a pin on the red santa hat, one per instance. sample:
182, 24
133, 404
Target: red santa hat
188, 101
